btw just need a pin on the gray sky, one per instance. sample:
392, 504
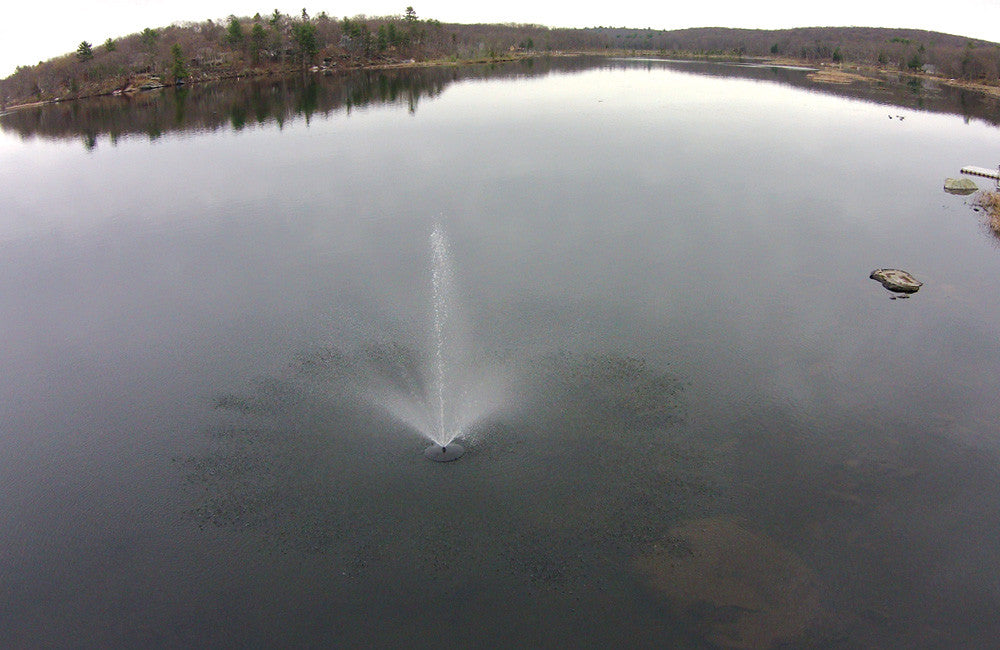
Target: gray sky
32, 31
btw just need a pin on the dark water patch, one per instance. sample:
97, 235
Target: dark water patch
549, 504
329, 471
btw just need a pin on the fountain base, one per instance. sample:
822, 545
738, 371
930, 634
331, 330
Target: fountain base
444, 454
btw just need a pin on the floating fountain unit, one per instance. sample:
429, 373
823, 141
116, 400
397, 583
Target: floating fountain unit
444, 453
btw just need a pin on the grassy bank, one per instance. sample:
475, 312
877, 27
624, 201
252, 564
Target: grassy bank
989, 201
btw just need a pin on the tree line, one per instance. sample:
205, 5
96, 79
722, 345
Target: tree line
262, 43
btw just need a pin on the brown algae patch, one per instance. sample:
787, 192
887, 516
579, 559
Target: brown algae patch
743, 587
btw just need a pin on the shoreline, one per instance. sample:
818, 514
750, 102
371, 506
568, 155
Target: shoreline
251, 73
824, 73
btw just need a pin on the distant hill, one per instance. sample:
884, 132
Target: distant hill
243, 46
954, 56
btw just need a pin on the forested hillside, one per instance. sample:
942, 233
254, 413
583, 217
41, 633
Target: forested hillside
238, 46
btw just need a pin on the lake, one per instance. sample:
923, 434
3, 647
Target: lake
693, 420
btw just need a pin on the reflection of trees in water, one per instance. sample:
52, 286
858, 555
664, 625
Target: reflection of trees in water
279, 100
275, 100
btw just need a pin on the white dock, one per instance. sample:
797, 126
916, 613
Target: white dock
982, 171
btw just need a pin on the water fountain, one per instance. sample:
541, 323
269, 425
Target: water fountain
441, 394
456, 394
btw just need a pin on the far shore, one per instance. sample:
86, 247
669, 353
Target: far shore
825, 73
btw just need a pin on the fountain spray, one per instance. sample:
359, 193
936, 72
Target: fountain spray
444, 449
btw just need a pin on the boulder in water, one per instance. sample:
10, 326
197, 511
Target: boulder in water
960, 186
896, 280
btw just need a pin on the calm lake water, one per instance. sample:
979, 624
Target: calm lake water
709, 427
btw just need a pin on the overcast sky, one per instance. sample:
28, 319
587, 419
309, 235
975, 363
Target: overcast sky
32, 31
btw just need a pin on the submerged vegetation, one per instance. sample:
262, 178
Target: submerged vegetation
263, 44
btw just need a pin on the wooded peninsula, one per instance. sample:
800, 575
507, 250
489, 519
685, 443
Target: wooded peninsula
278, 43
